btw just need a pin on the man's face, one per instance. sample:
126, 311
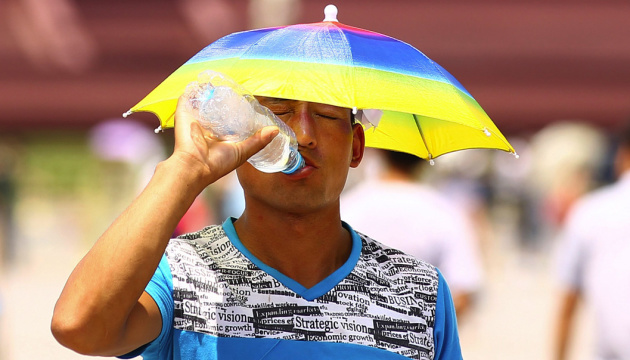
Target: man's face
330, 145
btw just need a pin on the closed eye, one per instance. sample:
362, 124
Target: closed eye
328, 117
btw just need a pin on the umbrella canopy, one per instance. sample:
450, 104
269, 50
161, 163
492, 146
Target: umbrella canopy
420, 108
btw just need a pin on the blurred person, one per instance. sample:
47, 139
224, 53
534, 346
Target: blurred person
403, 213
8, 165
514, 207
565, 158
594, 263
10, 152
269, 13
287, 269
463, 178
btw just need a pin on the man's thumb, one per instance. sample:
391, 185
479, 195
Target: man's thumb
259, 140
268, 133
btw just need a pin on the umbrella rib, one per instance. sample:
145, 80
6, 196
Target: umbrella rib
353, 68
415, 118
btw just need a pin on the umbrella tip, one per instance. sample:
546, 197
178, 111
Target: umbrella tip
127, 113
330, 13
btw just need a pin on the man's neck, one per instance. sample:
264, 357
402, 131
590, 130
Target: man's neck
394, 175
305, 247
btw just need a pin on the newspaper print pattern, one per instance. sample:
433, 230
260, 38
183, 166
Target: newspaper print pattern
388, 301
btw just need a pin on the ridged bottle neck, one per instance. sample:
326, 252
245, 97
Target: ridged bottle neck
296, 162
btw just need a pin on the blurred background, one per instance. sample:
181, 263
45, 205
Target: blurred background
553, 75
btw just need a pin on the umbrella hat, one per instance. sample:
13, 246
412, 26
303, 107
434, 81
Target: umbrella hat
406, 101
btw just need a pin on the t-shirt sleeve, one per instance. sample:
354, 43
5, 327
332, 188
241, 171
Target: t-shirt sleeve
160, 288
572, 251
445, 334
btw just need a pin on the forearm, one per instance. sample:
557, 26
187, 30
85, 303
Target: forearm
107, 283
566, 315
461, 301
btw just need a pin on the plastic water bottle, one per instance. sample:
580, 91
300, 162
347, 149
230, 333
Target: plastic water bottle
224, 107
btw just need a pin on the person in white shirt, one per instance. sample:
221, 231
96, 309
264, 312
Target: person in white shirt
594, 263
401, 212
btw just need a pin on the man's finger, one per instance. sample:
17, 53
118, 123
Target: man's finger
259, 140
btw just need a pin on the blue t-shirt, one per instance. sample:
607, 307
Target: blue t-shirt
218, 301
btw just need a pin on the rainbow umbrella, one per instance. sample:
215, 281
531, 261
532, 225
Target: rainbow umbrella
406, 101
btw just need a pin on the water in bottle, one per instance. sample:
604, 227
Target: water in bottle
231, 113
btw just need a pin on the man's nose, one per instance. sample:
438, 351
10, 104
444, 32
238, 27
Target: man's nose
303, 125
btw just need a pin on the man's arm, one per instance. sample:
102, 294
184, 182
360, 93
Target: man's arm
462, 301
566, 316
103, 309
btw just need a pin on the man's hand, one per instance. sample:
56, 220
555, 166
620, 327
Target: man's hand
199, 151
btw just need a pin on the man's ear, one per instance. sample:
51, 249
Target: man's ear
358, 144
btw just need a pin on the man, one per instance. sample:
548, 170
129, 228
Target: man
288, 279
427, 225
593, 263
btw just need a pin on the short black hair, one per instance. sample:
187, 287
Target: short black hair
401, 161
623, 134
